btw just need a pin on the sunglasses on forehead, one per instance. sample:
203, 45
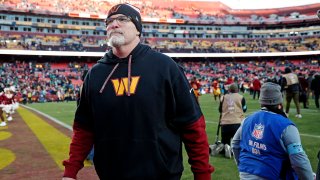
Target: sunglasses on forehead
119, 19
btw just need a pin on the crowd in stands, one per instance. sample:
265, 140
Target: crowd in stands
30, 41
35, 41
235, 46
52, 81
245, 73
217, 78
189, 11
42, 82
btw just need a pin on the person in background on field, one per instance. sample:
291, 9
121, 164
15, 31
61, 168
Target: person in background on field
267, 145
232, 108
227, 84
216, 90
2, 96
9, 103
195, 84
304, 89
290, 83
256, 85
84, 73
315, 87
135, 136
309, 81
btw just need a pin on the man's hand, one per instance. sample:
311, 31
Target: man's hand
67, 178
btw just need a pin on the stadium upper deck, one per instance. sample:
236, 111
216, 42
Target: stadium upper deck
171, 26
169, 11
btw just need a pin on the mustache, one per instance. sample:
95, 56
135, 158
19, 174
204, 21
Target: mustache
114, 31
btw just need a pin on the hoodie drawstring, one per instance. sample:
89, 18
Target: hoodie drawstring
105, 82
129, 75
109, 76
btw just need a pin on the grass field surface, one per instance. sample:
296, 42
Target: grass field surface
225, 168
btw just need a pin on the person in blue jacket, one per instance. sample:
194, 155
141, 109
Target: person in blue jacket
267, 145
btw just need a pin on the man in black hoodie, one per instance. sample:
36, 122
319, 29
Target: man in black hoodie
137, 108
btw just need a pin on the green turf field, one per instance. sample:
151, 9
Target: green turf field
225, 168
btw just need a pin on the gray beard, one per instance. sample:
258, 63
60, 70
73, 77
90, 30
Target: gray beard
116, 41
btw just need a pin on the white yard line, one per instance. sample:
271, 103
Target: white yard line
70, 128
310, 135
49, 117
210, 122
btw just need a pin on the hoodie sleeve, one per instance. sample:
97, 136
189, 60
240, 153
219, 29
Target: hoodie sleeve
82, 142
191, 123
196, 143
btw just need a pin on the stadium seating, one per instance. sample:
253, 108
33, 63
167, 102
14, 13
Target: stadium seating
169, 26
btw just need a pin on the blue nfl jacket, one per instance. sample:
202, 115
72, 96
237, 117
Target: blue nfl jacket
261, 152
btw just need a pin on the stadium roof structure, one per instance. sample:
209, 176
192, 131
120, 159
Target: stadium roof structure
262, 4
212, 7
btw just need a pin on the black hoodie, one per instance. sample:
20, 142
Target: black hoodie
137, 134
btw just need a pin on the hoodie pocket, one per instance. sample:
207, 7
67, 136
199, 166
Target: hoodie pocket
130, 159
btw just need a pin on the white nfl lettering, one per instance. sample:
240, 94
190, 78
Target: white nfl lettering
255, 151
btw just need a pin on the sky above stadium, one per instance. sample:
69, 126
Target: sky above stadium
264, 4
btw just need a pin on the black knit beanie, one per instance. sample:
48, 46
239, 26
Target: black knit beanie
128, 10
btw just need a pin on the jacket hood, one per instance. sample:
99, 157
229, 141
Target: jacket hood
138, 52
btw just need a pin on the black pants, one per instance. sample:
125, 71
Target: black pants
215, 97
227, 132
316, 99
256, 92
303, 98
295, 97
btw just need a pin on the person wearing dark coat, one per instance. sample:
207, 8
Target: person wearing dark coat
304, 89
315, 87
290, 83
